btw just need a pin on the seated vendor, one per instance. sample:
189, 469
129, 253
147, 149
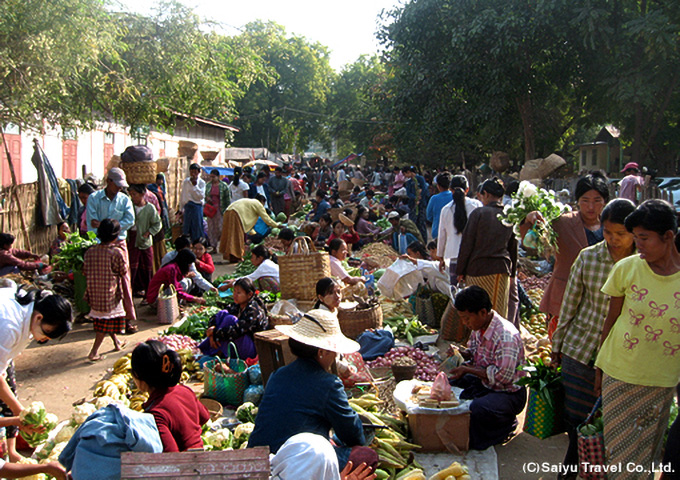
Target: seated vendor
338, 253
328, 294
238, 323
404, 231
494, 352
266, 274
305, 396
347, 234
325, 229
204, 262
179, 415
13, 260
173, 273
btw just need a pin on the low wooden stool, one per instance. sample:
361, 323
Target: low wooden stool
249, 463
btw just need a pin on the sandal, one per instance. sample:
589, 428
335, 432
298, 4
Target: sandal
95, 359
121, 345
130, 329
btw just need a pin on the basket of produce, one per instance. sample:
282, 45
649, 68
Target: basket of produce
404, 368
214, 407
360, 317
299, 271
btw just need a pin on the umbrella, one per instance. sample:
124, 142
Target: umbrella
269, 163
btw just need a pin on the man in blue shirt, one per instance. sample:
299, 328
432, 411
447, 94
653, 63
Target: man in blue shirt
416, 190
439, 201
112, 203
322, 206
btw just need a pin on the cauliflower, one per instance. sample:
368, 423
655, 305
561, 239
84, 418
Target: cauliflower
246, 412
218, 440
56, 451
65, 434
101, 402
34, 414
242, 434
81, 412
30, 461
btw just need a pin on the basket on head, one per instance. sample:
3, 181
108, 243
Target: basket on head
139, 172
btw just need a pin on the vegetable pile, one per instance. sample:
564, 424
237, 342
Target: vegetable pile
195, 325
72, 254
395, 459
36, 416
427, 367
407, 327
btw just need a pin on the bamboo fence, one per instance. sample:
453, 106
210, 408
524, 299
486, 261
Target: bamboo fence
40, 237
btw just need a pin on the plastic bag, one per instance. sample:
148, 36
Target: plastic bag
441, 390
253, 394
255, 375
400, 280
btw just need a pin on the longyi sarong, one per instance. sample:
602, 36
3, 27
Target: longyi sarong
498, 288
233, 241
635, 419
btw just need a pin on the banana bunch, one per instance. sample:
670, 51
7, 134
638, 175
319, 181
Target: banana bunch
122, 382
122, 365
137, 400
184, 377
399, 308
186, 355
192, 366
106, 388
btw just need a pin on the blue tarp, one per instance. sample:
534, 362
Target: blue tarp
223, 170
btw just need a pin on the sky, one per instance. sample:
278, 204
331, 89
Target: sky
346, 27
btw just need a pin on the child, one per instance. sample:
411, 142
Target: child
104, 268
432, 250
350, 236
13, 260
62, 230
204, 261
140, 239
179, 415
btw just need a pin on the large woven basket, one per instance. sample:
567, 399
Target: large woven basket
299, 272
354, 322
139, 172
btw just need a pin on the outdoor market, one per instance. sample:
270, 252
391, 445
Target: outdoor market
276, 305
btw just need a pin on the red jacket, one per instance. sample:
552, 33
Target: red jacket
179, 417
166, 275
205, 264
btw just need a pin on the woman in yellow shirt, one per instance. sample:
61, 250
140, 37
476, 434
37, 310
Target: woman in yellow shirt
639, 360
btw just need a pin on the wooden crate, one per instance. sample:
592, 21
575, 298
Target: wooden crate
250, 463
273, 352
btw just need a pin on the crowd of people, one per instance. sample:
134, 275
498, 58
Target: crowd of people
612, 299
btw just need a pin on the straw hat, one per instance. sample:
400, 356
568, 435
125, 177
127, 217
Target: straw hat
320, 328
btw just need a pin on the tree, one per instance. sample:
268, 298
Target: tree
486, 73
288, 111
354, 120
51, 51
633, 65
173, 63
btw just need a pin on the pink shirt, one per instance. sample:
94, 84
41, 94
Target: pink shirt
500, 351
628, 185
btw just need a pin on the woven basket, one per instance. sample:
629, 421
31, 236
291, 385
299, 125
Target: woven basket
404, 372
214, 407
139, 172
354, 322
299, 272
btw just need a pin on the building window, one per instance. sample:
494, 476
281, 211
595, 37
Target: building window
593, 159
68, 134
109, 137
139, 135
583, 157
12, 129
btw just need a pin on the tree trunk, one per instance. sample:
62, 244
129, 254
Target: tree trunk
526, 113
636, 147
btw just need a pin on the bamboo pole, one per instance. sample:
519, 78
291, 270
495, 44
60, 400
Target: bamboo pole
27, 237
